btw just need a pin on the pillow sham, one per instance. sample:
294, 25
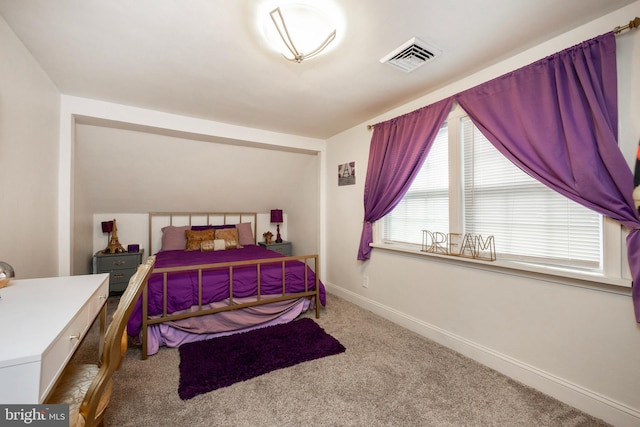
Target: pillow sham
195, 238
245, 234
174, 238
212, 245
219, 245
207, 245
230, 236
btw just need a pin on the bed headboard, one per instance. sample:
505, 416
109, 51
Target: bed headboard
158, 220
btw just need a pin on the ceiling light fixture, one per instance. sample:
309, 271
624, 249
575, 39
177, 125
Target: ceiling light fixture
301, 29
281, 26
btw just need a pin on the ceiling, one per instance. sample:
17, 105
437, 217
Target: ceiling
205, 58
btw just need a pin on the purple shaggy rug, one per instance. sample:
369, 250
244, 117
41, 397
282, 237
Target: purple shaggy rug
219, 362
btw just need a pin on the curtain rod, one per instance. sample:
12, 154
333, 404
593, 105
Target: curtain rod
632, 24
635, 23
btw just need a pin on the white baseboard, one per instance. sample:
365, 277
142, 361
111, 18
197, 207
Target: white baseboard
588, 401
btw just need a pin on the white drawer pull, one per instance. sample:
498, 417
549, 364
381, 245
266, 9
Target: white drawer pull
74, 337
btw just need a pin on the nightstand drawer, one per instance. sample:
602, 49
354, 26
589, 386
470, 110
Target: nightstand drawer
119, 266
119, 280
120, 276
283, 248
117, 262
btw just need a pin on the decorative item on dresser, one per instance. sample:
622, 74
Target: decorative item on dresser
119, 266
283, 247
199, 289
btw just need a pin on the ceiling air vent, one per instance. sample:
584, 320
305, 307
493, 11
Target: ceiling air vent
411, 55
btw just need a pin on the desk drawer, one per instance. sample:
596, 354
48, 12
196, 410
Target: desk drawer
98, 301
62, 349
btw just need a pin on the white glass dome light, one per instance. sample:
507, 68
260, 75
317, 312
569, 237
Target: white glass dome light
309, 28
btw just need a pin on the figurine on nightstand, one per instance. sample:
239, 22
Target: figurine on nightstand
114, 246
267, 237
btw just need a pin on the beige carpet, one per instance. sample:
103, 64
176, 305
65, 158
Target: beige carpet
388, 376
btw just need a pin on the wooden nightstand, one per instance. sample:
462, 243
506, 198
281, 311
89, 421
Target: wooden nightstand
283, 247
119, 266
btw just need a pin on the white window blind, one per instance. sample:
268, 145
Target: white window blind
427, 201
528, 220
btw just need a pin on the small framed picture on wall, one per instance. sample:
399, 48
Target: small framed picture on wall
347, 173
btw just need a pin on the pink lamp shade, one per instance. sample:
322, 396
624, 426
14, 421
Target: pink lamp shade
107, 226
276, 215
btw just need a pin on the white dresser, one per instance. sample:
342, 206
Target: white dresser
42, 322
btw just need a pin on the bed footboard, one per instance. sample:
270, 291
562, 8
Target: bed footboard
311, 289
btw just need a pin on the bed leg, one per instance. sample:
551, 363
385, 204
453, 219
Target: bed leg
143, 356
143, 332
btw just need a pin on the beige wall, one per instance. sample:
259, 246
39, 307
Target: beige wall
578, 343
29, 114
126, 171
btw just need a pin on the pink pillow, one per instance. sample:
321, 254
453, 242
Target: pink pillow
174, 238
245, 234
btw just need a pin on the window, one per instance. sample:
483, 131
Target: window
467, 186
428, 197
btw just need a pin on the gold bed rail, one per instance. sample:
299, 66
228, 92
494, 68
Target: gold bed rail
230, 305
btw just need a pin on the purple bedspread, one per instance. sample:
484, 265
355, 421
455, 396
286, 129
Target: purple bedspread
182, 288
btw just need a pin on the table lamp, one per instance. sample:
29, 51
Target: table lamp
107, 227
276, 217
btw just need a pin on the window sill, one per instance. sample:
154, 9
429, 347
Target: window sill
557, 275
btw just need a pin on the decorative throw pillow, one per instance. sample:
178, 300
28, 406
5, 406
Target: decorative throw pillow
207, 245
195, 238
212, 245
230, 236
245, 234
174, 238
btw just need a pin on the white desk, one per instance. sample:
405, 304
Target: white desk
42, 322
